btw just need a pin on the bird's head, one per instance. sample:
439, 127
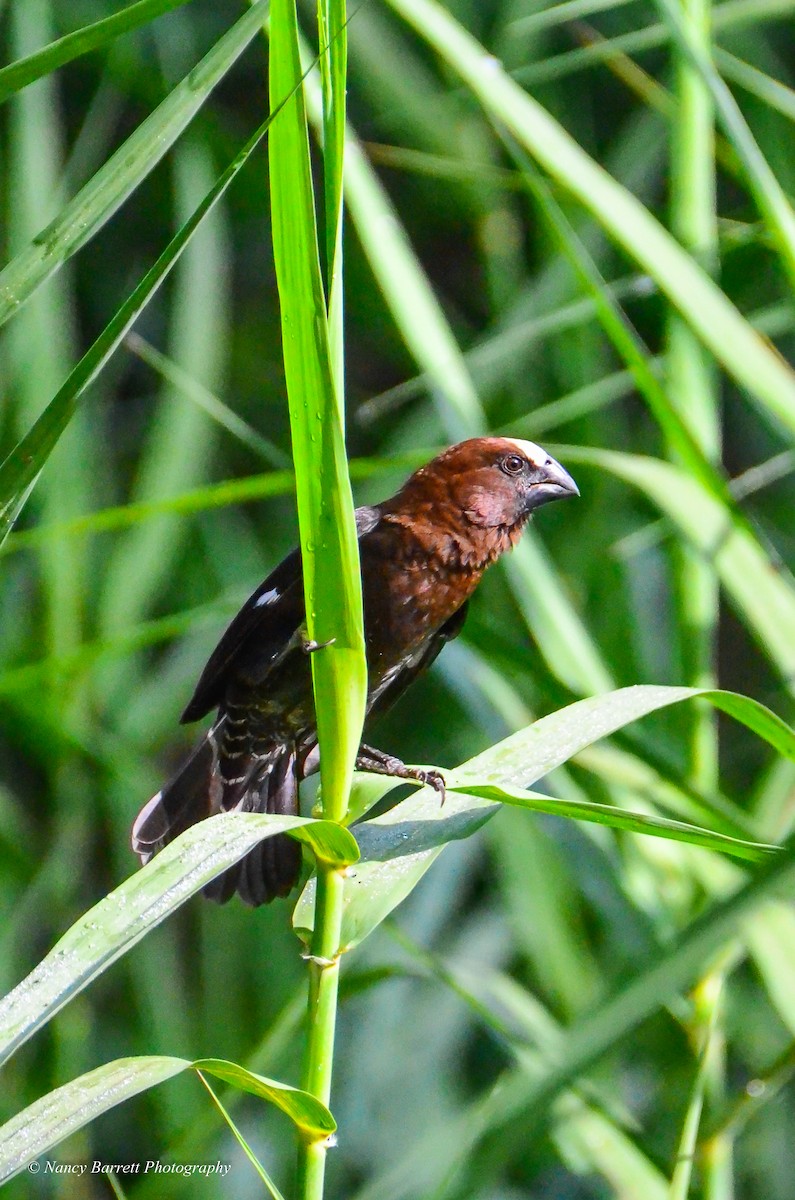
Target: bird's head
494, 481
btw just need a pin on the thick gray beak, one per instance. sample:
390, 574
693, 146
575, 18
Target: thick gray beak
551, 482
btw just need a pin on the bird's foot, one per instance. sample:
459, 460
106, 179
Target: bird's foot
379, 763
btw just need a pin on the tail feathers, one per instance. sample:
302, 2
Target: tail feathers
197, 791
272, 868
193, 794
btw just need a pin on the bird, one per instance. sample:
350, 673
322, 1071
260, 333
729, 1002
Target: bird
423, 552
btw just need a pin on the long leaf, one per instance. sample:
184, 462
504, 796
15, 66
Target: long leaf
114, 925
706, 308
770, 197
329, 546
399, 847
63, 1111
619, 818
760, 589
18, 75
80, 219
19, 470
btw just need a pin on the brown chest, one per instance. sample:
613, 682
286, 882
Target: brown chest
406, 601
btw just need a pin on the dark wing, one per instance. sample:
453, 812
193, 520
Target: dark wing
266, 624
267, 620
406, 674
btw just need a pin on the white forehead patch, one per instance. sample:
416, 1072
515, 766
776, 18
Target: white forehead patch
533, 453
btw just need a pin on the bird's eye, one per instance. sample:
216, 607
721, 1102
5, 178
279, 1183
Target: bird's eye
513, 464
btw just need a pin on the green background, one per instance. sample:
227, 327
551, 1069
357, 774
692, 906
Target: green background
526, 926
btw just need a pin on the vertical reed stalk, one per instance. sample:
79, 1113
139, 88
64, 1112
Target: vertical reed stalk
693, 388
313, 356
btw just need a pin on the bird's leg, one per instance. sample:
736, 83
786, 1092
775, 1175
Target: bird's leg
379, 763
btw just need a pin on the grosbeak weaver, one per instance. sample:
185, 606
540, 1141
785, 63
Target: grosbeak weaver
422, 555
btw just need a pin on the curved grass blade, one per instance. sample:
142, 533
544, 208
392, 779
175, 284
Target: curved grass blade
107, 190
273, 1191
619, 818
704, 306
306, 1112
18, 75
676, 969
215, 495
760, 588
734, 14
19, 470
122, 918
63, 1111
398, 847
770, 196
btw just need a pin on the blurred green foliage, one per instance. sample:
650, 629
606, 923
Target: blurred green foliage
449, 1008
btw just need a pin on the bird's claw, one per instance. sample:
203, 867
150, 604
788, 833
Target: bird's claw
434, 779
370, 759
309, 647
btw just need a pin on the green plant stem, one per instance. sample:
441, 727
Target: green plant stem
693, 387
313, 357
324, 975
709, 1044
692, 381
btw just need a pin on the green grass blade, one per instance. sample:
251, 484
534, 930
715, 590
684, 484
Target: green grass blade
711, 314
18, 75
682, 1175
19, 470
49, 1120
691, 378
127, 914
333, 35
770, 197
329, 546
399, 847
63, 1111
734, 14
567, 10
760, 588
273, 1191
186, 382
525, 1105
552, 740
774, 93
80, 219
616, 818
